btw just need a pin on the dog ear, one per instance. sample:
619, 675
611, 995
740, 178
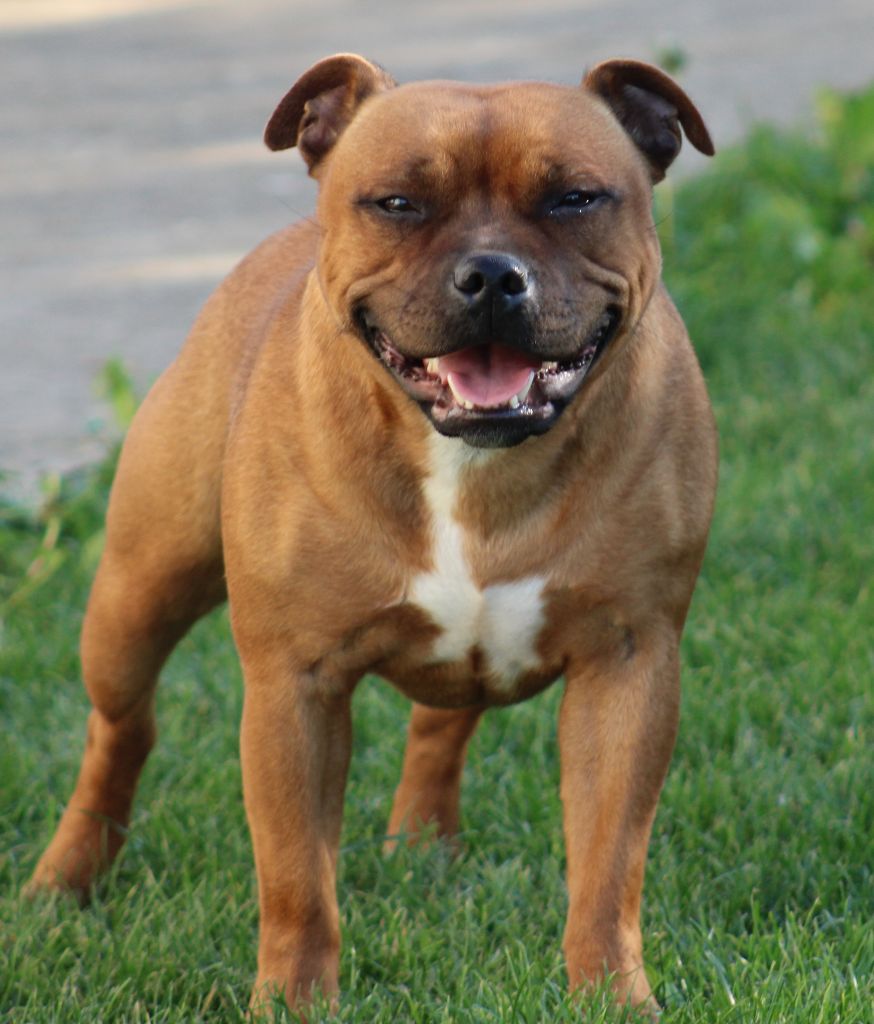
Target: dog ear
652, 108
321, 103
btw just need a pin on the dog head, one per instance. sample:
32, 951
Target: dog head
492, 245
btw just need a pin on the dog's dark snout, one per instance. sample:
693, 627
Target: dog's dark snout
491, 274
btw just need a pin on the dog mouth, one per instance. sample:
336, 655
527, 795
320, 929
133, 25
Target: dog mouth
492, 394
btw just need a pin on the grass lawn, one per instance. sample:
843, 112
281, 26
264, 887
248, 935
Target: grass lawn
759, 896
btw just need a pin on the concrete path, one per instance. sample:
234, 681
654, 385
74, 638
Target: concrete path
132, 175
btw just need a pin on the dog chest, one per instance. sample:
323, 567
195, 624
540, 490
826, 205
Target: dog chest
502, 621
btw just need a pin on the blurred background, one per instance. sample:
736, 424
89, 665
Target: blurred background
133, 174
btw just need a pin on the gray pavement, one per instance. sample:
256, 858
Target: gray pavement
132, 175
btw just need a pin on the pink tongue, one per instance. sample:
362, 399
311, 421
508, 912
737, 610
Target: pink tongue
486, 375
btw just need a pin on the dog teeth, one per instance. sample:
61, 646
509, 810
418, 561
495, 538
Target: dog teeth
462, 401
431, 366
549, 367
522, 394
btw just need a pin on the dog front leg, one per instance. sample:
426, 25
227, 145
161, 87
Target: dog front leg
616, 733
295, 746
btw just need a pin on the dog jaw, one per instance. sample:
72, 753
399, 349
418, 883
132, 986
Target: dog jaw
492, 395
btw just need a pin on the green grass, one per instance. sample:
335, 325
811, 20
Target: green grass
758, 902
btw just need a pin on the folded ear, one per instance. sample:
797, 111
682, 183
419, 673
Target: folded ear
321, 103
652, 108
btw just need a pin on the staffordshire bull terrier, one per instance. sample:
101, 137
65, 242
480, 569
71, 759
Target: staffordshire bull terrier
450, 431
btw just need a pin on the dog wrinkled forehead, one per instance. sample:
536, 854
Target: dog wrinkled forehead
482, 135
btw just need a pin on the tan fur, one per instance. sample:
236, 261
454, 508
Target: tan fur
278, 454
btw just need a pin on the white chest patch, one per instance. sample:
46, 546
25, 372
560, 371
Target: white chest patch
502, 620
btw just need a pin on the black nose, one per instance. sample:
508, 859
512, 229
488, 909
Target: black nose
482, 275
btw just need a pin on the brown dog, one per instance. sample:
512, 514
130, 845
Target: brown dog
452, 432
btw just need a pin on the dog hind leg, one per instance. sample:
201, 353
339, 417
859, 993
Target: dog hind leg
161, 570
430, 786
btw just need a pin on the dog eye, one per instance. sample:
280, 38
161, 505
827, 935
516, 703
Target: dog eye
396, 204
578, 199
